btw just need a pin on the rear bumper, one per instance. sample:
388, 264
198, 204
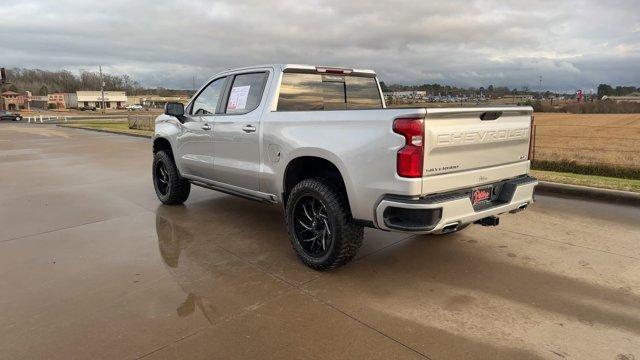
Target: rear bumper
432, 213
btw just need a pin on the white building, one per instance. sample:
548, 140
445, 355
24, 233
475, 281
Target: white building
112, 99
633, 97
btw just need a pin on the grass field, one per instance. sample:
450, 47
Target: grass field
589, 140
115, 127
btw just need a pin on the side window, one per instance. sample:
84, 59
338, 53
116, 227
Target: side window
246, 93
207, 101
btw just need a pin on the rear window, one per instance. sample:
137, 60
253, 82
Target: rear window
306, 92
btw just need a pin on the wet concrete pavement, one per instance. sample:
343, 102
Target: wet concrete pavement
92, 266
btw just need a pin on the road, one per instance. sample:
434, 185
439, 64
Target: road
92, 266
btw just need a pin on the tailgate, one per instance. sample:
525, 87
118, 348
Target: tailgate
474, 138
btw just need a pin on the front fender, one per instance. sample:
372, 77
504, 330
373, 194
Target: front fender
167, 127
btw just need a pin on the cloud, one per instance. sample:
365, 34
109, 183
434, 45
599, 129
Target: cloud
466, 43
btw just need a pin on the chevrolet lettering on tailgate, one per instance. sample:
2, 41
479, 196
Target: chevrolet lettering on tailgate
481, 136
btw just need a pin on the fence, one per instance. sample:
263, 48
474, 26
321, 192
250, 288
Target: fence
135, 121
608, 150
141, 122
57, 119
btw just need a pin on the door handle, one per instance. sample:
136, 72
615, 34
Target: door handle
206, 127
249, 129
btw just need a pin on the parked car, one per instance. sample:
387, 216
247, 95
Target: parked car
87, 108
134, 107
321, 142
8, 115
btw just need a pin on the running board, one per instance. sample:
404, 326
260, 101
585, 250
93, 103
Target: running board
270, 200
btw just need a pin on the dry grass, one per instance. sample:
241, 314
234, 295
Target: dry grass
589, 139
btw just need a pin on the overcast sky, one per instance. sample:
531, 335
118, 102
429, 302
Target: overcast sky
571, 44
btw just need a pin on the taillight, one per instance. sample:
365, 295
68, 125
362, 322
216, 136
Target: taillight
532, 139
411, 156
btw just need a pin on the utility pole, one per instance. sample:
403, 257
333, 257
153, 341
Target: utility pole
3, 81
540, 87
194, 84
101, 90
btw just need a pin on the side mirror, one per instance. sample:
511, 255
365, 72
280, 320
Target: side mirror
174, 109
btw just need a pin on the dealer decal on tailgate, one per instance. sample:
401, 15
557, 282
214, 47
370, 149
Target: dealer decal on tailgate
481, 195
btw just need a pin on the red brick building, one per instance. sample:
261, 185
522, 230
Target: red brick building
58, 100
10, 100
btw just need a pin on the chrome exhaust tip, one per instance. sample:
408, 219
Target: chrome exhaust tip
450, 228
521, 207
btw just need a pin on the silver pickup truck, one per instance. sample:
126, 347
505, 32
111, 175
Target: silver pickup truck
321, 141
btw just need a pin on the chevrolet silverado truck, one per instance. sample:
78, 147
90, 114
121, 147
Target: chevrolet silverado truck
320, 141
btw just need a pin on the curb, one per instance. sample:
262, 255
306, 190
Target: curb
106, 131
588, 193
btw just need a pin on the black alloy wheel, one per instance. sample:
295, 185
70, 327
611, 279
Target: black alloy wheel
162, 177
171, 188
312, 226
319, 224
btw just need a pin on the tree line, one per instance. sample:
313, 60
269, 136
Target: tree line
454, 90
608, 90
43, 82
603, 89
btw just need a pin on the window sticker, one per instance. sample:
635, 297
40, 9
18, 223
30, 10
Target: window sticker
238, 98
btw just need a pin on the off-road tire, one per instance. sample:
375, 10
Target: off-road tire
178, 187
347, 236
